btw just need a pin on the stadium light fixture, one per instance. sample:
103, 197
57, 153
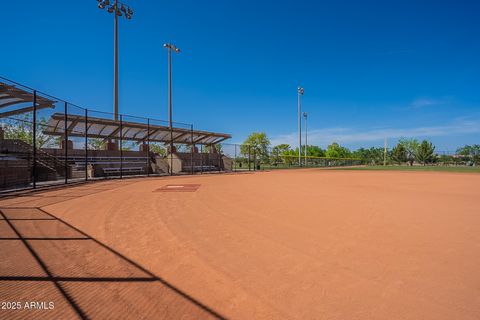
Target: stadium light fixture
116, 8
300, 91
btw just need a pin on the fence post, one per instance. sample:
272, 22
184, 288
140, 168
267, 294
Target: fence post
201, 162
65, 143
86, 144
219, 158
249, 150
148, 147
191, 148
34, 132
235, 158
120, 146
171, 148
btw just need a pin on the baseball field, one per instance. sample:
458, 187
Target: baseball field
298, 244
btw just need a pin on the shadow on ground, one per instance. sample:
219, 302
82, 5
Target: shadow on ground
46, 260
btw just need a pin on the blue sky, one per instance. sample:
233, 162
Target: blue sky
371, 69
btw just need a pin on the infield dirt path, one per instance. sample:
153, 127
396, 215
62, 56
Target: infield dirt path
298, 244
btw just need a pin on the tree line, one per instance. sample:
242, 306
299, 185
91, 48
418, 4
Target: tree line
406, 151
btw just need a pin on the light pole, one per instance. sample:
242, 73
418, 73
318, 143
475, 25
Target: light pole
305, 116
118, 9
300, 93
170, 47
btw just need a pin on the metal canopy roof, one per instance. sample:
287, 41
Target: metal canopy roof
131, 131
21, 99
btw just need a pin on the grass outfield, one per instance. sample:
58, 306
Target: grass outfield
416, 168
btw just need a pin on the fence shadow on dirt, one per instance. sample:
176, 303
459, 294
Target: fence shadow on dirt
51, 261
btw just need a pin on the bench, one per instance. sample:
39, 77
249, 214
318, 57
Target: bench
81, 165
108, 171
199, 168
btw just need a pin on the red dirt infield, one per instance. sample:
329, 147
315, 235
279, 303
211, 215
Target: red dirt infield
290, 244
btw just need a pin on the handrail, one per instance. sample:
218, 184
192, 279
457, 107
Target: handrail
43, 157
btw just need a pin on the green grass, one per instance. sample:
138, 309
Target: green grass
416, 168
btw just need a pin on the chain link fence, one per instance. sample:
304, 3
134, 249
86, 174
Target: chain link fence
244, 157
48, 141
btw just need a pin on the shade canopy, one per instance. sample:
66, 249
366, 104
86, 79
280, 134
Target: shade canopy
78, 126
14, 100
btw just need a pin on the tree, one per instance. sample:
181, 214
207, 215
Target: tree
466, 150
425, 152
399, 154
446, 159
315, 151
291, 156
370, 156
21, 128
476, 154
128, 145
336, 151
281, 149
279, 152
218, 146
411, 146
158, 149
471, 152
256, 143
96, 144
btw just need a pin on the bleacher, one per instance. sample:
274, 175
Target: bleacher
54, 163
104, 162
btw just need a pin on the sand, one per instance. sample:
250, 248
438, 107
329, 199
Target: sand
290, 244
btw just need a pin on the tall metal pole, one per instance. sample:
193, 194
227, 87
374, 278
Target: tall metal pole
169, 48
115, 63
170, 88
170, 106
299, 132
300, 93
118, 9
